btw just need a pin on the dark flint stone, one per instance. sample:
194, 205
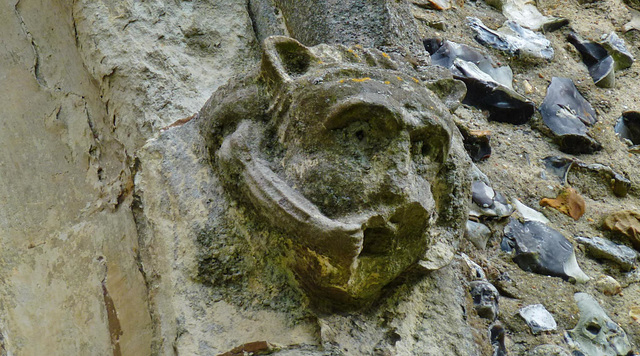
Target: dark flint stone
558, 166
482, 194
489, 86
597, 60
478, 147
513, 39
539, 248
628, 127
485, 299
445, 54
487, 202
567, 114
618, 50
577, 144
432, 44
476, 143
621, 184
497, 336
504, 105
598, 247
555, 25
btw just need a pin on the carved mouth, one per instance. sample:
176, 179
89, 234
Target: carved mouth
404, 229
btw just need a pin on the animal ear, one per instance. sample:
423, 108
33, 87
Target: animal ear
284, 58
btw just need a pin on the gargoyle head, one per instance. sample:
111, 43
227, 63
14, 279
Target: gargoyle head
351, 157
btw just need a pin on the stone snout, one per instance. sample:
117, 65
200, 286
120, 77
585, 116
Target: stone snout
346, 259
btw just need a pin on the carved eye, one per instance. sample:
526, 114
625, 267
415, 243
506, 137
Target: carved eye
430, 143
423, 149
379, 117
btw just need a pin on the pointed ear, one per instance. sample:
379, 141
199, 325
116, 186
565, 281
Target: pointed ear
284, 58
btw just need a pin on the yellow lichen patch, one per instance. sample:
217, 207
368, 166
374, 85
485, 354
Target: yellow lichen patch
320, 62
358, 46
360, 80
385, 55
327, 269
400, 79
341, 81
387, 82
415, 79
353, 52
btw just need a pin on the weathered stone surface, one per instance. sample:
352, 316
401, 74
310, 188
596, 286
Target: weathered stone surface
157, 62
74, 280
370, 23
595, 333
71, 282
360, 215
274, 184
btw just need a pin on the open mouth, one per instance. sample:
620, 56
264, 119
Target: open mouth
405, 228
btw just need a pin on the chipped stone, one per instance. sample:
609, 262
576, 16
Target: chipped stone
543, 250
538, 318
596, 334
599, 247
485, 299
608, 285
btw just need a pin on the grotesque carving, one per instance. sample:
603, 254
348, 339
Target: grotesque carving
347, 155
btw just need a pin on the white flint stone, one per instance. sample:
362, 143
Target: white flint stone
538, 318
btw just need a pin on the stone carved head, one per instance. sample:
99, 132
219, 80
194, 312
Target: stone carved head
349, 156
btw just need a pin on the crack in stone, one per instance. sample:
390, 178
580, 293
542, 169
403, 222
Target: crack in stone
115, 330
73, 23
36, 63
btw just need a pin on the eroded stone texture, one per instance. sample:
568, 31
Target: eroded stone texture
595, 333
354, 161
158, 61
330, 170
68, 238
370, 23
